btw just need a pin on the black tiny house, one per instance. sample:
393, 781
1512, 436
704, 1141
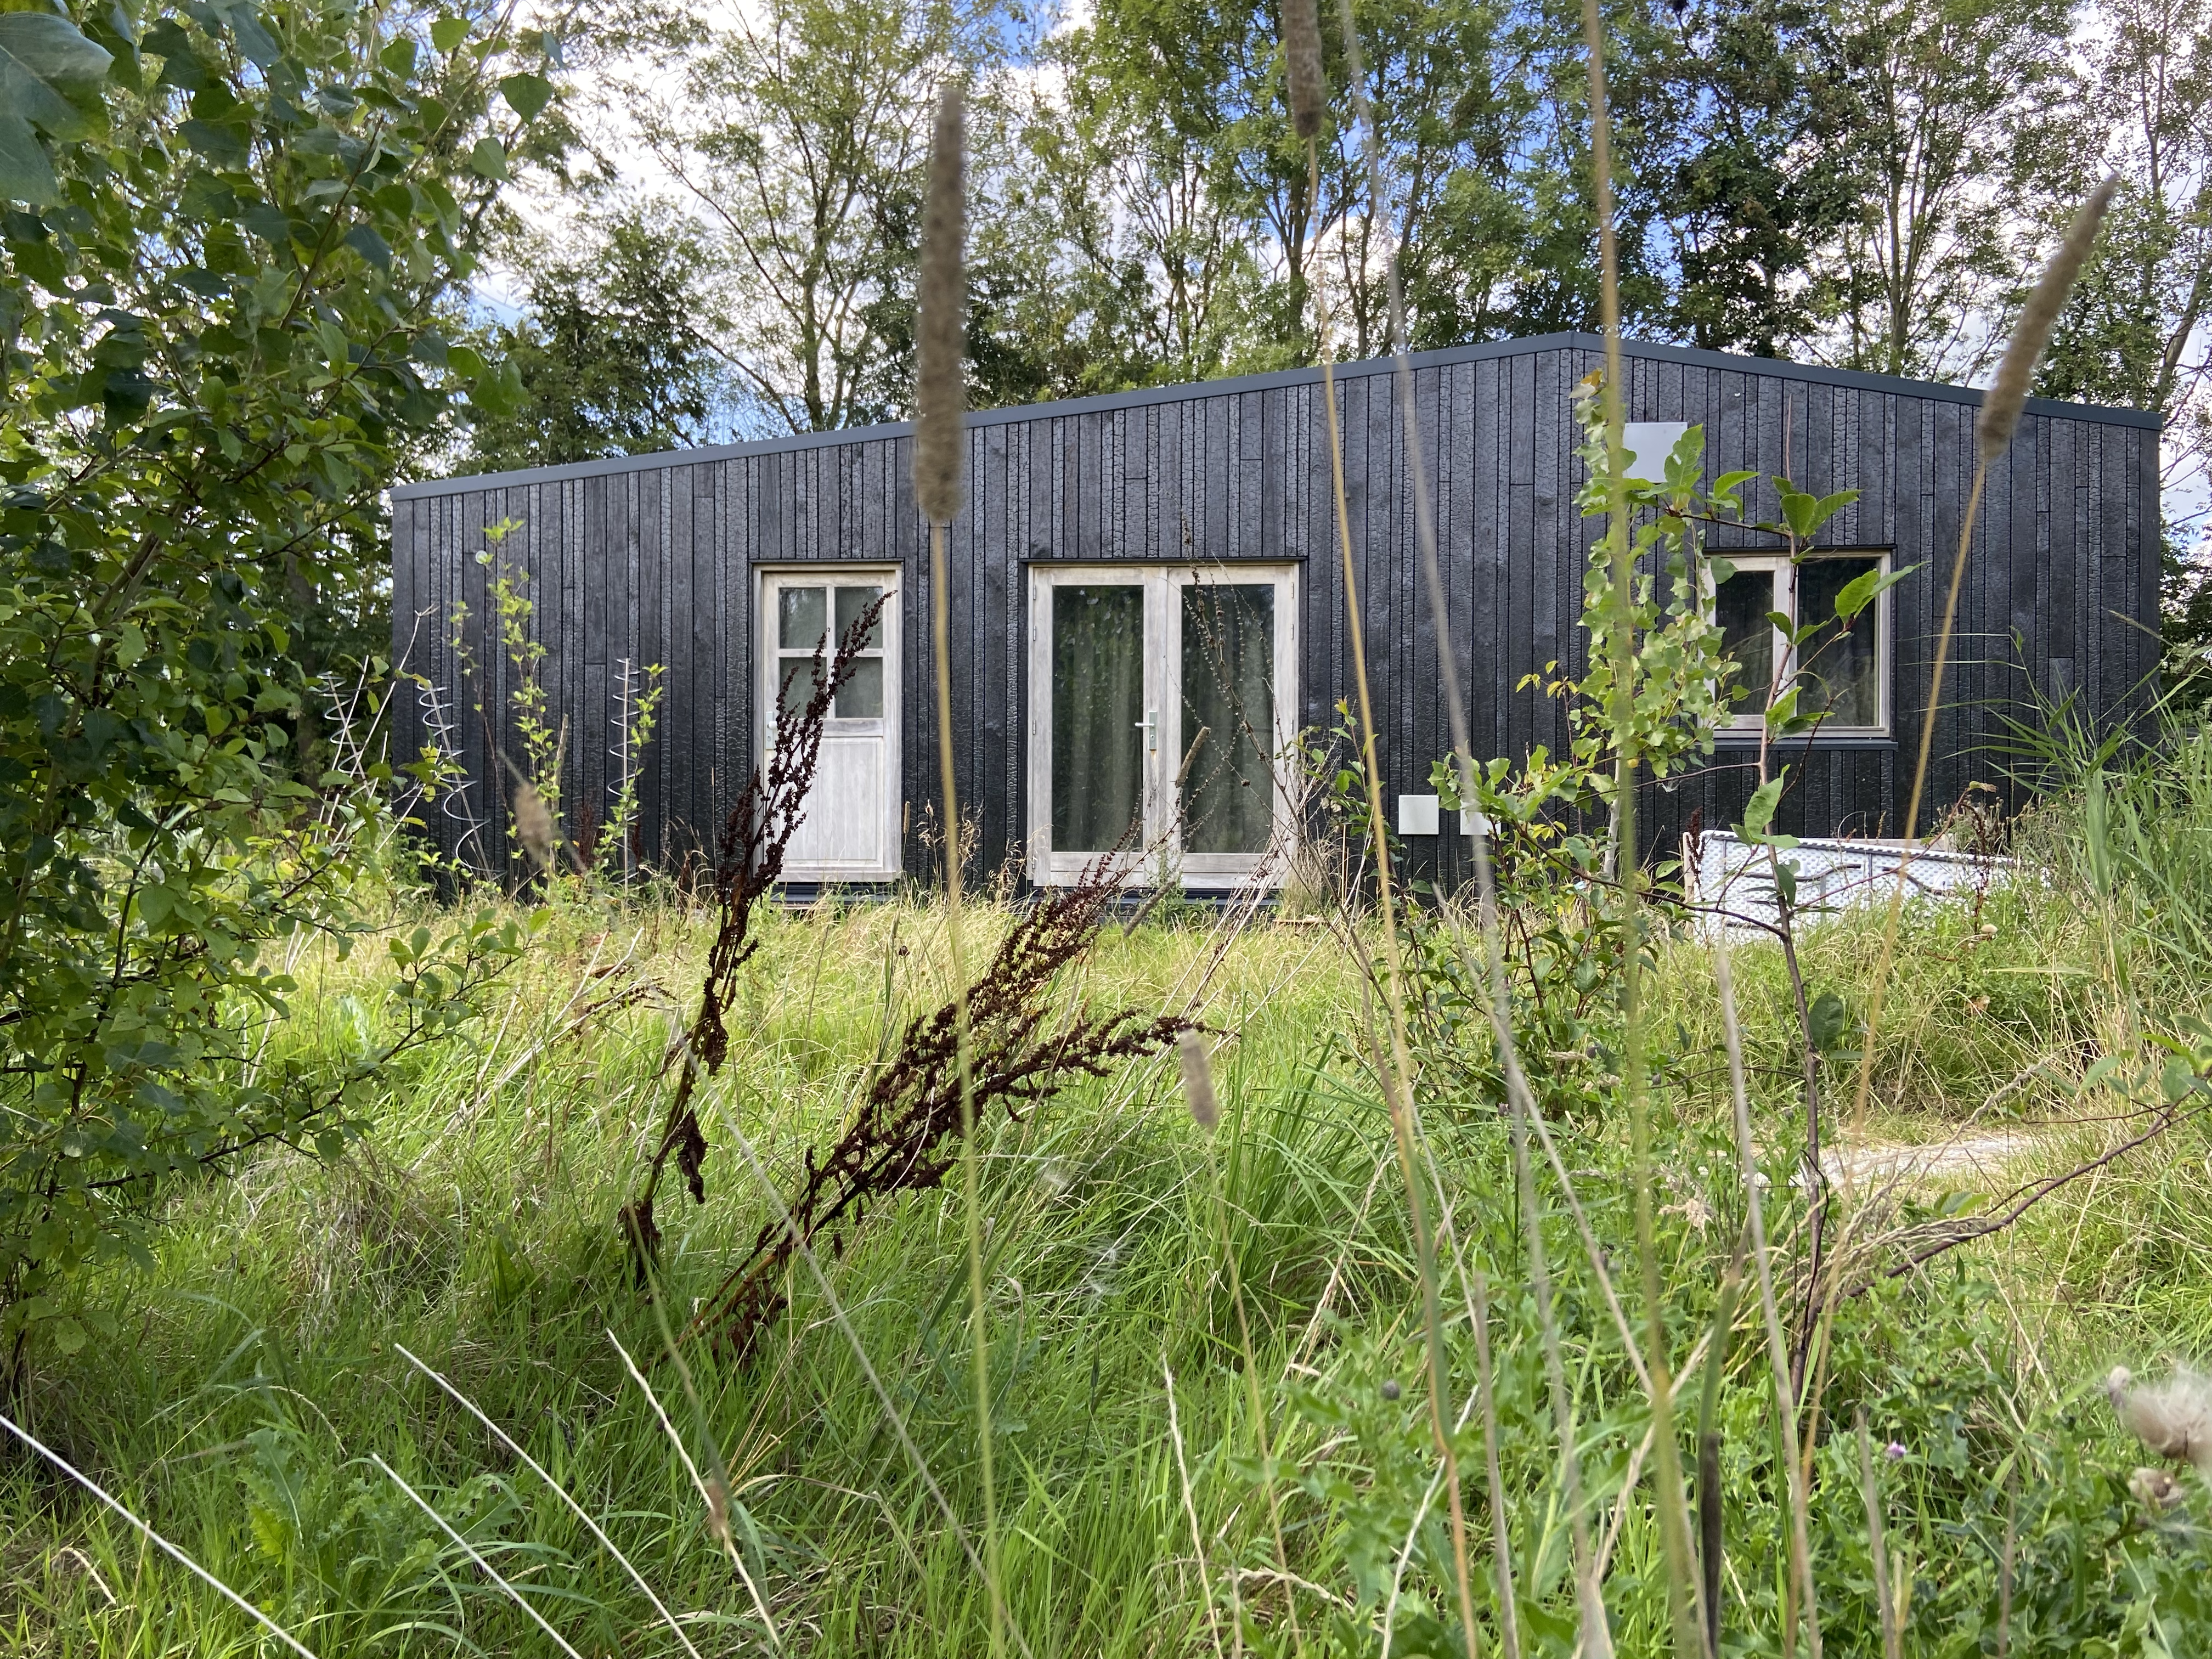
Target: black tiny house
1131, 569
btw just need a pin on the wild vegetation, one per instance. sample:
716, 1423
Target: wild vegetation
267, 1358
1575, 1263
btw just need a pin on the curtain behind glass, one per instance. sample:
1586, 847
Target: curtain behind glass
1097, 704
1228, 691
1840, 660
1739, 607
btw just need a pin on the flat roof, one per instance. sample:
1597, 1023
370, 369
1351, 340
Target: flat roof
1779, 368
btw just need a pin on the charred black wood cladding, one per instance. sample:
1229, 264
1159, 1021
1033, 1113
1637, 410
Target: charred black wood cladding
652, 559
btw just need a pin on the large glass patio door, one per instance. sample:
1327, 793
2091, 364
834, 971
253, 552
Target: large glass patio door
1161, 706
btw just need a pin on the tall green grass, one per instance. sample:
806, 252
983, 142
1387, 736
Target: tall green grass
474, 1225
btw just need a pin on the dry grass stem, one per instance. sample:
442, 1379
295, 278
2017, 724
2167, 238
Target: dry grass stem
1190, 1509
575, 1508
160, 1542
1885, 1602
1397, 1079
1777, 1346
1673, 1512
1509, 1619
477, 1556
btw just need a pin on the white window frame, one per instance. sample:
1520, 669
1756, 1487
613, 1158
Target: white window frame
1160, 848
1748, 719
768, 658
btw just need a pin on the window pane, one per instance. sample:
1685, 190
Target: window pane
795, 676
861, 695
1098, 700
801, 617
1838, 666
1228, 693
850, 602
1740, 606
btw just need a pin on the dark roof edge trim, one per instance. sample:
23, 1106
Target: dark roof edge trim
1184, 393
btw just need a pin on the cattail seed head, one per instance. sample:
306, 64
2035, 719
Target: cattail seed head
1302, 66
533, 825
1198, 1080
940, 390
2002, 407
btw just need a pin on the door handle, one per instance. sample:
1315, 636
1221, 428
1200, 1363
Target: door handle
1150, 725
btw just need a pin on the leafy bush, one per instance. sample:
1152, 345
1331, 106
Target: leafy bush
228, 240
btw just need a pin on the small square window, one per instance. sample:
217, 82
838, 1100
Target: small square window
802, 615
1841, 669
852, 600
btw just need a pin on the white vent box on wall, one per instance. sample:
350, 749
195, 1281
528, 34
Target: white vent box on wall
1418, 815
1648, 443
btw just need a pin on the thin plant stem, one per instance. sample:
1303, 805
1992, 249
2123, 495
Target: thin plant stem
162, 1543
2005, 1565
1777, 1346
1673, 1512
1864, 1087
1474, 1285
940, 611
1397, 1078
1885, 1602
888, 1407
578, 1509
477, 1556
1190, 1509
1711, 1519
1596, 1640
1509, 1621
1254, 1401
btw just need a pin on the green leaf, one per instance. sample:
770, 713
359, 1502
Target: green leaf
526, 95
1862, 590
254, 40
43, 59
1828, 1020
26, 175
222, 143
498, 391
68, 1335
1759, 811
489, 159
364, 240
446, 33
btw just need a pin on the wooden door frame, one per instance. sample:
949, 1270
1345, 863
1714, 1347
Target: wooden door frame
1162, 582
765, 685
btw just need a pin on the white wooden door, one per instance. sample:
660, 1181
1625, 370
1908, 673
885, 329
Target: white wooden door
850, 830
1161, 707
